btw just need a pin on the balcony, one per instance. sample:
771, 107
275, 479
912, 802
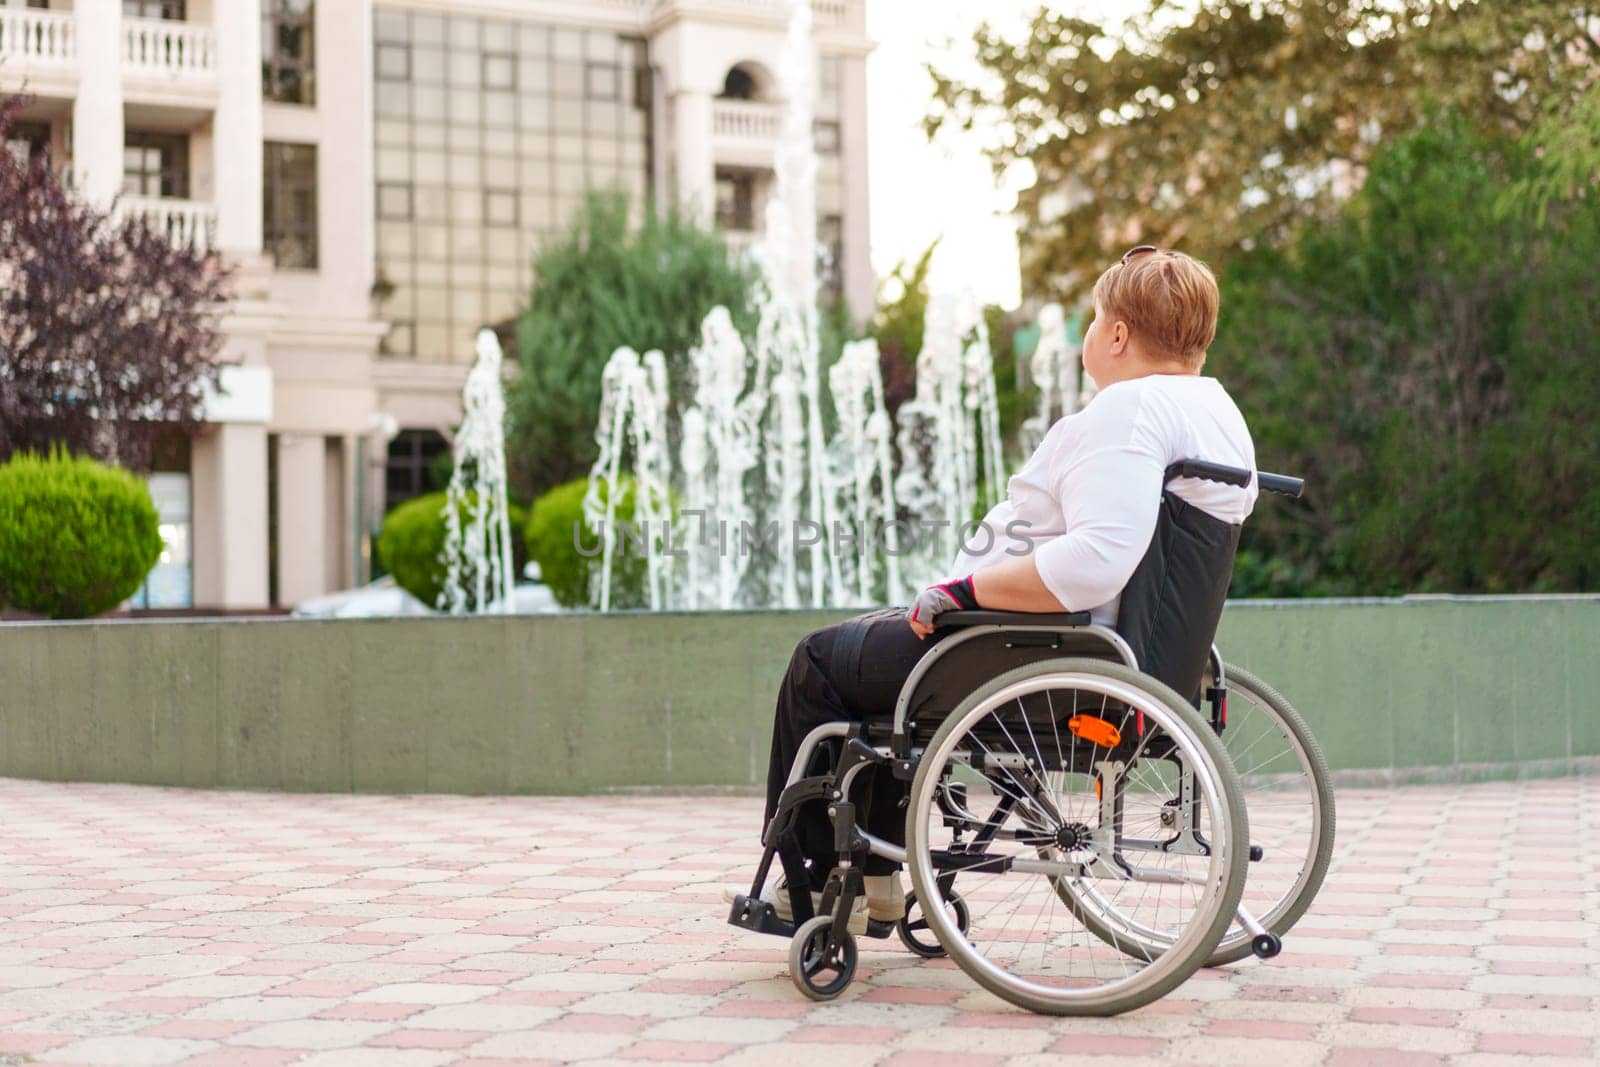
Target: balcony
161, 57
745, 133
39, 48
191, 223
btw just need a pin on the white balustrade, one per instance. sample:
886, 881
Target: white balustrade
169, 47
746, 120
190, 223
38, 38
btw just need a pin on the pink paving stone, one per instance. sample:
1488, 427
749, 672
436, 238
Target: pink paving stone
370, 937
911, 995
617, 967
1405, 1016
28, 1043
693, 986
1394, 948
1535, 1045
269, 967
1381, 1057
200, 1029
1107, 1045
82, 961
417, 1038
232, 948
843, 1035
1261, 1028
676, 1051
498, 1061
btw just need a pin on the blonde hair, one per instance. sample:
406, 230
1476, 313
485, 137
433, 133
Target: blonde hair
1168, 298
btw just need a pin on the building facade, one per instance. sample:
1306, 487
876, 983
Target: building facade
380, 173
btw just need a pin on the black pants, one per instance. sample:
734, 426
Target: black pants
851, 672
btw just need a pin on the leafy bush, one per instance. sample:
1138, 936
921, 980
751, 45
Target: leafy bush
411, 545
1428, 362
555, 529
76, 537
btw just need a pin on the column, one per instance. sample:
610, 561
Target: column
230, 516
97, 112
236, 126
860, 283
302, 517
696, 174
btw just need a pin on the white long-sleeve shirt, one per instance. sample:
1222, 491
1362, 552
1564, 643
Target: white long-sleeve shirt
1087, 500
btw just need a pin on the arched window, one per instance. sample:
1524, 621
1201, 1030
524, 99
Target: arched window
739, 85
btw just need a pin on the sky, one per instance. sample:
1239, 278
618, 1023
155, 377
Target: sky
923, 191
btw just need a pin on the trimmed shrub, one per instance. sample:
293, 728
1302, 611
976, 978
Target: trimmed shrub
411, 545
76, 537
553, 545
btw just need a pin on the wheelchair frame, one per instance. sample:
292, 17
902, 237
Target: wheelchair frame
890, 745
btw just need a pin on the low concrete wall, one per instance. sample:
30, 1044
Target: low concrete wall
1399, 688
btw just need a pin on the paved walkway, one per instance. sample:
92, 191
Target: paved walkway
157, 926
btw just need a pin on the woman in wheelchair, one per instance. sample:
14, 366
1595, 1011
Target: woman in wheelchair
1124, 553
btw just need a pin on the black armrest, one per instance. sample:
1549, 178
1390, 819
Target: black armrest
986, 617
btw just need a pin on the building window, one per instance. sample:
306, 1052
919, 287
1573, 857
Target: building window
27, 141
155, 164
499, 71
418, 463
150, 9
830, 250
499, 207
602, 81
394, 200
288, 58
830, 73
394, 62
738, 85
289, 225
825, 134
736, 200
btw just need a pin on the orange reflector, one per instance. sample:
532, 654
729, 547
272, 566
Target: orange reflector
1094, 730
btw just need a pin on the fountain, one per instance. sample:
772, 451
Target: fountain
477, 556
1055, 368
751, 449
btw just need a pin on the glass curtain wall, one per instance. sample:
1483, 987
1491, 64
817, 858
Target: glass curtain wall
489, 132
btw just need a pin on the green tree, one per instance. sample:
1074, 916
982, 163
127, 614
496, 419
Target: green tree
897, 326
1428, 361
1222, 125
411, 544
605, 285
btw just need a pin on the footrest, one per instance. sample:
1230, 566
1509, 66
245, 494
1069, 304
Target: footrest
753, 913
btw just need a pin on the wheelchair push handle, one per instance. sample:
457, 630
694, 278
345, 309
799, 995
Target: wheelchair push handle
1217, 472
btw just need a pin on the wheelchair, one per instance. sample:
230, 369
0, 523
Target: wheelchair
1094, 813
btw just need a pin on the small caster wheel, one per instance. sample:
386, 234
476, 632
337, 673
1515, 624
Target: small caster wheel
1266, 946
817, 971
913, 926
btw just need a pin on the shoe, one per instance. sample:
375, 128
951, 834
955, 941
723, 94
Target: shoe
778, 896
886, 897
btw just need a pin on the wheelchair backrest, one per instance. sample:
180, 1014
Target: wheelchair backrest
1170, 608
